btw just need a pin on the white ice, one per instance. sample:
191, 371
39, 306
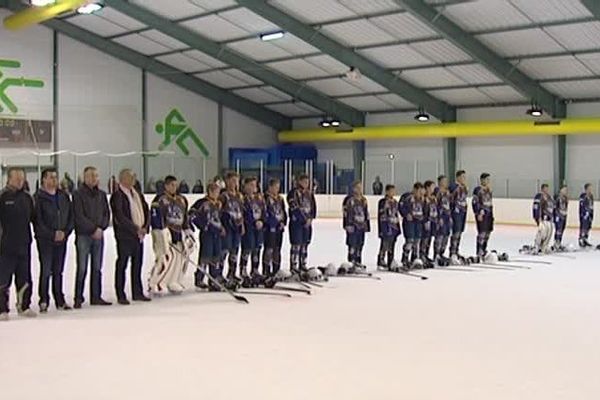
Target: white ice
502, 334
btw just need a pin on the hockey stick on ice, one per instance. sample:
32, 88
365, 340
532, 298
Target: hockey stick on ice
360, 276
218, 284
531, 261
266, 292
293, 289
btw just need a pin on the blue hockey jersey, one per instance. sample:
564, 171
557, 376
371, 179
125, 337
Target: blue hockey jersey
388, 218
356, 213
586, 207
276, 217
302, 206
482, 202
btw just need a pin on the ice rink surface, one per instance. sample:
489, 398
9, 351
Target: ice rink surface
482, 334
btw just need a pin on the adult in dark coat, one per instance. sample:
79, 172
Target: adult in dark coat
92, 217
54, 222
130, 222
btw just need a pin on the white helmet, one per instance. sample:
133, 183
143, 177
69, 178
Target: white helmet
283, 274
329, 270
344, 268
491, 257
314, 274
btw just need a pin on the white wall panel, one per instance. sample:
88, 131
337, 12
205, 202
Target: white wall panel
241, 131
99, 108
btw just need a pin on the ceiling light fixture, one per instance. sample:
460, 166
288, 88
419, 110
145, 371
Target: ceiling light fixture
422, 116
535, 111
42, 3
265, 37
90, 8
329, 122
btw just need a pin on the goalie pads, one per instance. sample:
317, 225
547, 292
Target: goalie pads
543, 236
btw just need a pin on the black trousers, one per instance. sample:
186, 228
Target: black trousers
52, 265
19, 266
129, 250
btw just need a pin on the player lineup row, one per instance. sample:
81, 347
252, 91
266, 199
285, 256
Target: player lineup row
235, 227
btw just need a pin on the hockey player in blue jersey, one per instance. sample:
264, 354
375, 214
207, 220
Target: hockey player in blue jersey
302, 211
232, 217
388, 224
586, 215
484, 213
444, 222
412, 210
252, 240
356, 223
275, 223
430, 221
458, 206
206, 216
170, 227
561, 206
543, 214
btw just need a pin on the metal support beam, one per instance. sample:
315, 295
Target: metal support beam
593, 6
559, 178
173, 75
329, 106
358, 156
450, 158
394, 83
502, 68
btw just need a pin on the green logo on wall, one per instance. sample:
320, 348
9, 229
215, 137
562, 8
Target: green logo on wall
175, 126
6, 82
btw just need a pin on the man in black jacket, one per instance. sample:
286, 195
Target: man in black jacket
16, 215
90, 208
130, 222
53, 224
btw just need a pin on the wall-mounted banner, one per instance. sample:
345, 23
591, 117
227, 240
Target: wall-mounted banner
22, 133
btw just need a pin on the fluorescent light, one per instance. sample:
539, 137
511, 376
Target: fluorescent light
325, 124
89, 8
42, 3
265, 37
335, 122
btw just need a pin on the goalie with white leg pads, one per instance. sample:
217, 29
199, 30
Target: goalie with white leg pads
543, 213
169, 221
